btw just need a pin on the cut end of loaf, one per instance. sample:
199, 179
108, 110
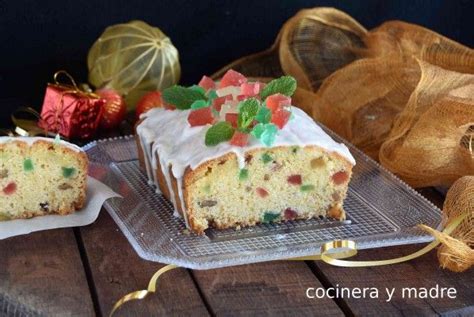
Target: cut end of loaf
276, 184
41, 178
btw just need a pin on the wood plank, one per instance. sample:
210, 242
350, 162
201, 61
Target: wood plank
42, 273
264, 289
418, 273
117, 270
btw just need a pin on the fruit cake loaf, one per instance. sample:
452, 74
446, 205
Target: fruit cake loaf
237, 153
40, 176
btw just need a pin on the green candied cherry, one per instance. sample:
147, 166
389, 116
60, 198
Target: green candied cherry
28, 165
243, 174
68, 171
306, 188
270, 216
266, 158
264, 115
198, 104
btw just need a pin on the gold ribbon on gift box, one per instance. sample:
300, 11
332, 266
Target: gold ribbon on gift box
331, 253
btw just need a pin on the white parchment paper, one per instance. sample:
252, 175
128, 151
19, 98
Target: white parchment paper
97, 194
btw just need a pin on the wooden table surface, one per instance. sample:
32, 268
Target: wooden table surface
84, 271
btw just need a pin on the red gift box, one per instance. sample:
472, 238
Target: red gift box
70, 112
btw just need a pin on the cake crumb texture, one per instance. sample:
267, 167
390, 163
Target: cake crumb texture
41, 178
277, 184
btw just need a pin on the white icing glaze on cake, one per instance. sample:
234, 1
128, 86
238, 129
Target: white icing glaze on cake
168, 134
30, 140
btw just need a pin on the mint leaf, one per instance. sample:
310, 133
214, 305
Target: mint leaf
220, 132
182, 97
285, 85
248, 109
264, 115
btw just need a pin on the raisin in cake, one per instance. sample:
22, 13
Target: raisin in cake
40, 176
236, 154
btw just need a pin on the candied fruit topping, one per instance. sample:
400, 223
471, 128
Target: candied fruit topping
10, 188
280, 117
232, 78
198, 104
239, 139
262, 192
306, 188
290, 214
277, 101
200, 117
294, 179
68, 171
243, 174
219, 101
270, 216
340, 177
317, 162
266, 158
207, 83
251, 89
264, 115
232, 118
28, 165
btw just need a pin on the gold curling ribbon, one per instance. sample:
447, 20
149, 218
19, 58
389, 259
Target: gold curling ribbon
143, 293
344, 248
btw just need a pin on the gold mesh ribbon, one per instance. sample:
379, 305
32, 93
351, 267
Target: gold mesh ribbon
401, 93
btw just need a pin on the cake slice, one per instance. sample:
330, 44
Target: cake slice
242, 155
40, 176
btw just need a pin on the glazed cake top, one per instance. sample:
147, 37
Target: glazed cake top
180, 145
233, 116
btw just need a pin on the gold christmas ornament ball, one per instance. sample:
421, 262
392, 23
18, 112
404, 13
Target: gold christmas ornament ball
133, 58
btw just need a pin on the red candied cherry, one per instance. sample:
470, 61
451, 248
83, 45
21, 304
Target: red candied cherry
294, 179
200, 117
290, 214
207, 83
239, 139
280, 118
10, 188
277, 101
241, 97
232, 118
251, 89
340, 177
219, 101
232, 78
262, 192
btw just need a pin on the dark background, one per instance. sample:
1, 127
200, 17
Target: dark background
41, 37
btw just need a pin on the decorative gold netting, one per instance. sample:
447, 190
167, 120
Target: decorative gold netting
401, 93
